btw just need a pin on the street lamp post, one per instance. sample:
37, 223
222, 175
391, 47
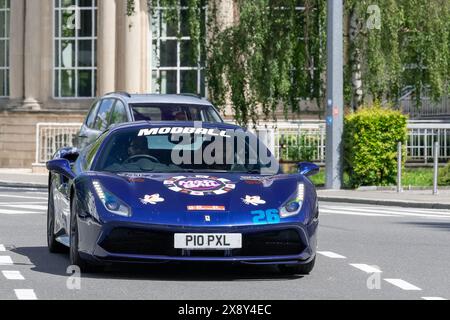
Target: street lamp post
335, 95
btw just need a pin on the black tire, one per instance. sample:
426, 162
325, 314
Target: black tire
297, 269
53, 245
75, 258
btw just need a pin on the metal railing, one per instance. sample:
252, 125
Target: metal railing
295, 140
50, 137
428, 108
306, 140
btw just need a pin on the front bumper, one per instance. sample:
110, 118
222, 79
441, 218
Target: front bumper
141, 243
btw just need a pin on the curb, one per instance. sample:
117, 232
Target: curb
11, 184
396, 203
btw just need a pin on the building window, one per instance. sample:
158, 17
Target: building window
75, 34
174, 70
4, 47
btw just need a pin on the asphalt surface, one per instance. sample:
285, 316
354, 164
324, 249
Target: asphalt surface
365, 252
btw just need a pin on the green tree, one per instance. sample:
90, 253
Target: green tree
275, 54
410, 47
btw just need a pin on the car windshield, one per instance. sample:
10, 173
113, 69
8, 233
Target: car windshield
185, 149
172, 112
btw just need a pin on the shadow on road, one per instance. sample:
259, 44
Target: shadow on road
445, 226
57, 264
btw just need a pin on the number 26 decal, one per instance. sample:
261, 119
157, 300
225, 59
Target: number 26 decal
265, 216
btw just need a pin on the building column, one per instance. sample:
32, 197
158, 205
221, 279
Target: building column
225, 17
131, 47
106, 55
16, 50
32, 61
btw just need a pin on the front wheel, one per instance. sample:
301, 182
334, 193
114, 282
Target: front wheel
53, 245
75, 258
297, 269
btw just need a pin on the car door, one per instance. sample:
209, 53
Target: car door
102, 120
119, 114
87, 127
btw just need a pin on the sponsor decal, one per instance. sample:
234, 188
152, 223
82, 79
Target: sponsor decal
208, 218
152, 199
200, 185
270, 216
183, 130
265, 181
253, 200
206, 208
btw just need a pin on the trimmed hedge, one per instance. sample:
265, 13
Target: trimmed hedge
444, 175
371, 136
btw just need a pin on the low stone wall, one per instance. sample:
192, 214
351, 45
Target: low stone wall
18, 135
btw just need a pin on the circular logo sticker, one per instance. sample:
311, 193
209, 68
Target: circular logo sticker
200, 185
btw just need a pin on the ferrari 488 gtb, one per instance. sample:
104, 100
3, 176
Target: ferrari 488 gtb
165, 191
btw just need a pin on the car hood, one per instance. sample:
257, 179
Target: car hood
199, 199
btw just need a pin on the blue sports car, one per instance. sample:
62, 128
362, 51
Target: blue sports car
153, 192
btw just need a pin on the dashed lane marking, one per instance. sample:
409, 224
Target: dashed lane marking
366, 268
331, 255
433, 298
383, 212
333, 211
6, 260
25, 294
13, 275
402, 284
25, 206
22, 197
5, 211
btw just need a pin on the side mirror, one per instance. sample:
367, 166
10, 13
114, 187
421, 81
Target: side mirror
308, 169
61, 166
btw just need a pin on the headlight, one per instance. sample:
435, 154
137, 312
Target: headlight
293, 206
110, 201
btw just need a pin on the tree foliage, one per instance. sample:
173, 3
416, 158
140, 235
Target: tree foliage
411, 48
274, 54
272, 57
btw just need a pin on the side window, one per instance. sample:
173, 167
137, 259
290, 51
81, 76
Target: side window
92, 115
104, 114
120, 113
92, 151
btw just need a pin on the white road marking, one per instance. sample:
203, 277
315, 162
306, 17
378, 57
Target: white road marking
6, 260
366, 268
333, 211
433, 298
21, 203
5, 211
402, 284
21, 197
383, 212
2, 248
330, 254
26, 206
13, 275
25, 294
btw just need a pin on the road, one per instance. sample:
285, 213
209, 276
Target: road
365, 252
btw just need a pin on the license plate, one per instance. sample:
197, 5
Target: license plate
213, 241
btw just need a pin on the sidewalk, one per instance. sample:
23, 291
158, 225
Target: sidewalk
408, 198
24, 178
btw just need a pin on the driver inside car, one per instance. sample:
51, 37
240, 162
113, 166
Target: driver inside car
138, 146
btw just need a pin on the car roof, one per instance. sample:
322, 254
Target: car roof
160, 98
163, 124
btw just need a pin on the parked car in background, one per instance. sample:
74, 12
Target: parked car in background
120, 107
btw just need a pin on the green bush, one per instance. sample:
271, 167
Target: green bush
444, 176
371, 136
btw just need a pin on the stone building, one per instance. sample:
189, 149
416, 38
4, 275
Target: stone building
56, 56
